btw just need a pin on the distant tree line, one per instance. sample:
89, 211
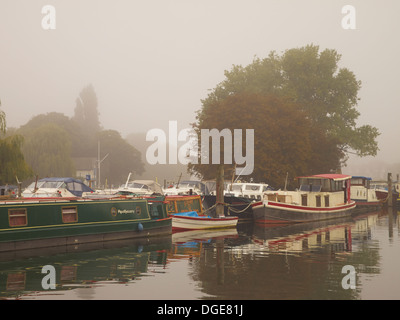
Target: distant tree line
48, 144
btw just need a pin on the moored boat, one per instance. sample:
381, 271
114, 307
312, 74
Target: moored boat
181, 203
233, 206
192, 221
189, 187
250, 190
364, 196
382, 193
55, 187
319, 197
34, 223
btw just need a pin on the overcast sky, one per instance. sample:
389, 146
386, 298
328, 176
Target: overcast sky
153, 61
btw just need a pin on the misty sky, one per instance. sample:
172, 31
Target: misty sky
153, 61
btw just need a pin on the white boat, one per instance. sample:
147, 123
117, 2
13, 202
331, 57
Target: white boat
140, 187
189, 187
361, 192
320, 197
192, 221
56, 187
247, 190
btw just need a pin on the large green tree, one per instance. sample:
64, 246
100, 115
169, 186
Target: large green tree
312, 80
285, 138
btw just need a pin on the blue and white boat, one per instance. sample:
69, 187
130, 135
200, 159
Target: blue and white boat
56, 187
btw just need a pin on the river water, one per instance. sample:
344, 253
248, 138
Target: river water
352, 259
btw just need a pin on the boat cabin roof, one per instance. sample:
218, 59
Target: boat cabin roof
75, 186
361, 177
331, 176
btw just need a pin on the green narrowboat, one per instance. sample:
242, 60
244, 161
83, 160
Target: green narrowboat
35, 223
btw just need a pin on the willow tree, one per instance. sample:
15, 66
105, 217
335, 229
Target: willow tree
312, 80
12, 162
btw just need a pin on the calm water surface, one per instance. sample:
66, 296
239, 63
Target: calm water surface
303, 261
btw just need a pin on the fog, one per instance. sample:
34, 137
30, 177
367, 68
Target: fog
153, 61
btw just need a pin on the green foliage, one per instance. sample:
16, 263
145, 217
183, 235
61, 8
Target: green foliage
82, 145
2, 121
12, 162
312, 81
285, 138
47, 150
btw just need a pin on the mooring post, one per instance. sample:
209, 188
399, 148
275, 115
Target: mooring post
219, 199
390, 192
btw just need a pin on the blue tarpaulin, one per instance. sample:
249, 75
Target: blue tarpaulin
190, 214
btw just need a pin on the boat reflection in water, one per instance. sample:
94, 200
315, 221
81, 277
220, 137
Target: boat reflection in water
81, 266
299, 261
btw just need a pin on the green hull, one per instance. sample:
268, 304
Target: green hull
40, 223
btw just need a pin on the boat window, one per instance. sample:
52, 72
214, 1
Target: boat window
325, 185
234, 187
303, 199
77, 186
336, 185
252, 188
138, 210
310, 188
155, 211
318, 201
69, 214
327, 201
357, 181
17, 217
51, 184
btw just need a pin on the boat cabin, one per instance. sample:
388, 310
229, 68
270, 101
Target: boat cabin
247, 190
361, 190
361, 181
178, 204
324, 182
323, 190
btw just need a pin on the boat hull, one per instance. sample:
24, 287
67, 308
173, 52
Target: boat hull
64, 222
281, 213
181, 223
367, 206
234, 207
